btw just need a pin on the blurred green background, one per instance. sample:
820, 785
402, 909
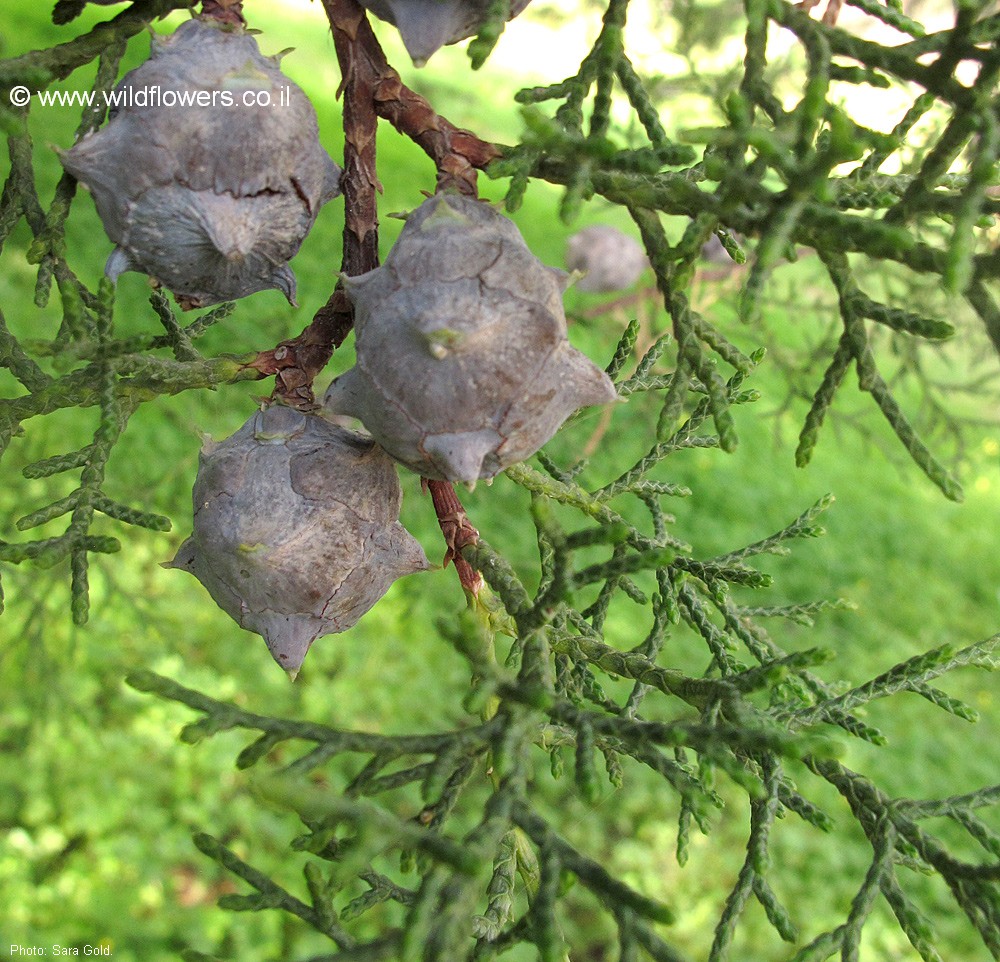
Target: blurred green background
98, 800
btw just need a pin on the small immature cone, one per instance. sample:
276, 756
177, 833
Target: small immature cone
296, 530
463, 366
610, 259
209, 172
428, 25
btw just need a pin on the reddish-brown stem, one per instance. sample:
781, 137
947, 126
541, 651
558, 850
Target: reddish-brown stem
457, 153
360, 179
296, 362
457, 531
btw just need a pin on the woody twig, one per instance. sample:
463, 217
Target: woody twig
458, 532
457, 154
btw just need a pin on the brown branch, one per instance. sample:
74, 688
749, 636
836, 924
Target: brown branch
297, 361
360, 180
458, 532
457, 153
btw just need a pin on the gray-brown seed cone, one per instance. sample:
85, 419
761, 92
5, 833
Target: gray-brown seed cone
296, 531
463, 365
211, 197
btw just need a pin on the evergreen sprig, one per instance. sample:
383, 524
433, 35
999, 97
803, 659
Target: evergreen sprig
491, 864
454, 844
771, 173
